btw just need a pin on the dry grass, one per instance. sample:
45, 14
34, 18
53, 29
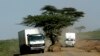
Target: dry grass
89, 45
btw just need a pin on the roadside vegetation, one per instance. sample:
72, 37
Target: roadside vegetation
8, 47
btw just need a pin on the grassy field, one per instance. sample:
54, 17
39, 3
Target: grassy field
90, 35
8, 47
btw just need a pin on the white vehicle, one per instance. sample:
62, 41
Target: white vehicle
31, 39
70, 39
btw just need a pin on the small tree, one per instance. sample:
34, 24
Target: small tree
52, 20
80, 28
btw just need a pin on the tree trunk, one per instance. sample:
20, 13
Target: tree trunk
55, 46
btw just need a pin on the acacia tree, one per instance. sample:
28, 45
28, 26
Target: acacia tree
80, 28
53, 20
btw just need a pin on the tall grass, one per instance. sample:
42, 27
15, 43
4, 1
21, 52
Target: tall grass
8, 47
90, 35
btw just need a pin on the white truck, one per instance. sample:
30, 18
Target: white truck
31, 39
70, 39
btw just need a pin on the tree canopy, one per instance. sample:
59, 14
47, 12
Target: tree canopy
53, 19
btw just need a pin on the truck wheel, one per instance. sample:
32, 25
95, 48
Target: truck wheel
24, 49
42, 51
73, 45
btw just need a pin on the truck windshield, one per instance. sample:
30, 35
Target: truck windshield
69, 39
35, 37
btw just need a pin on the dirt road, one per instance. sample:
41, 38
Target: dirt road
67, 52
79, 50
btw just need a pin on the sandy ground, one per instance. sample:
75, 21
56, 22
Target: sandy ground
81, 49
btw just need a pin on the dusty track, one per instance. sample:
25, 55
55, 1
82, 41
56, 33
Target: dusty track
67, 52
74, 51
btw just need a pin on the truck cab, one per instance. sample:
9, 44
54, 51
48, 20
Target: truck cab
31, 40
36, 42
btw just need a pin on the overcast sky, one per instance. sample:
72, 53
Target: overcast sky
13, 11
